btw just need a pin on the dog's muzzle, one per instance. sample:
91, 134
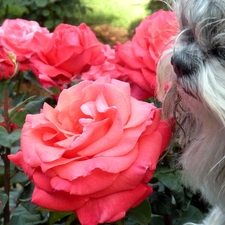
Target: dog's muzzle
182, 66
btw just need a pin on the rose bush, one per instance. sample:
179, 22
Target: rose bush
21, 37
94, 152
70, 51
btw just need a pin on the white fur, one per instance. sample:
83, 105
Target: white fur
196, 98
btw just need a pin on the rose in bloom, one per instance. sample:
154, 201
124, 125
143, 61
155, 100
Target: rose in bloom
94, 153
70, 51
19, 36
8, 64
139, 58
108, 68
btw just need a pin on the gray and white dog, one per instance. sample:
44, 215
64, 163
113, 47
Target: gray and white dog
194, 70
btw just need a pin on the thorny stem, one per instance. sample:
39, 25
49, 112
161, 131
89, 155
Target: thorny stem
5, 156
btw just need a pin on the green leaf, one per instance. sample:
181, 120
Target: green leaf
30, 207
6, 84
25, 216
157, 221
19, 106
19, 177
7, 139
19, 118
46, 12
26, 2
57, 216
193, 214
50, 23
172, 180
71, 218
4, 200
34, 106
57, 9
14, 193
140, 215
25, 211
14, 136
17, 219
18, 98
160, 203
41, 3
26, 193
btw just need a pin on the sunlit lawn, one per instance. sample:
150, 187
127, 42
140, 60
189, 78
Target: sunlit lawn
115, 12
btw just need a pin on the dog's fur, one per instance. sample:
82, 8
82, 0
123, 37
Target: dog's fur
194, 70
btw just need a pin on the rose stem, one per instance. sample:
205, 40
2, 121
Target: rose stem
5, 156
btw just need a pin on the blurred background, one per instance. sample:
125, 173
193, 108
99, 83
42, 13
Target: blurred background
112, 20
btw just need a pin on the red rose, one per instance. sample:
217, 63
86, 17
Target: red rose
70, 51
19, 36
138, 58
8, 64
93, 152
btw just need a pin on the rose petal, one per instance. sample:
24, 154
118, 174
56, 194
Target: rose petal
42, 181
18, 160
72, 170
106, 141
85, 185
139, 108
112, 207
58, 200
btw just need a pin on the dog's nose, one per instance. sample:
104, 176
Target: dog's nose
180, 65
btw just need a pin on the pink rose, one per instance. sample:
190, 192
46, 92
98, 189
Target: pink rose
139, 57
93, 152
8, 64
113, 68
19, 36
108, 68
70, 51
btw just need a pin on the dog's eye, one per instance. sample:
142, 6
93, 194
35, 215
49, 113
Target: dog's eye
218, 52
191, 39
189, 36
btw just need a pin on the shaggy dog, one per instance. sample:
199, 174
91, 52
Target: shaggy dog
194, 71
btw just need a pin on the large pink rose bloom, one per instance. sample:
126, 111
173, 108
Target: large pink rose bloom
94, 153
19, 36
70, 51
139, 58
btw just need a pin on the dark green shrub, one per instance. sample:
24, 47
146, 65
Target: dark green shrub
48, 13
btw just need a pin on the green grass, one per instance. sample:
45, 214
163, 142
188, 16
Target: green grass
122, 13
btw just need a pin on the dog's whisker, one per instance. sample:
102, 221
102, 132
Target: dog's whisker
221, 160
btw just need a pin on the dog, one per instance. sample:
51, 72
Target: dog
191, 86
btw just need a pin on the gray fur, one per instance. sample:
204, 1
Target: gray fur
196, 97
